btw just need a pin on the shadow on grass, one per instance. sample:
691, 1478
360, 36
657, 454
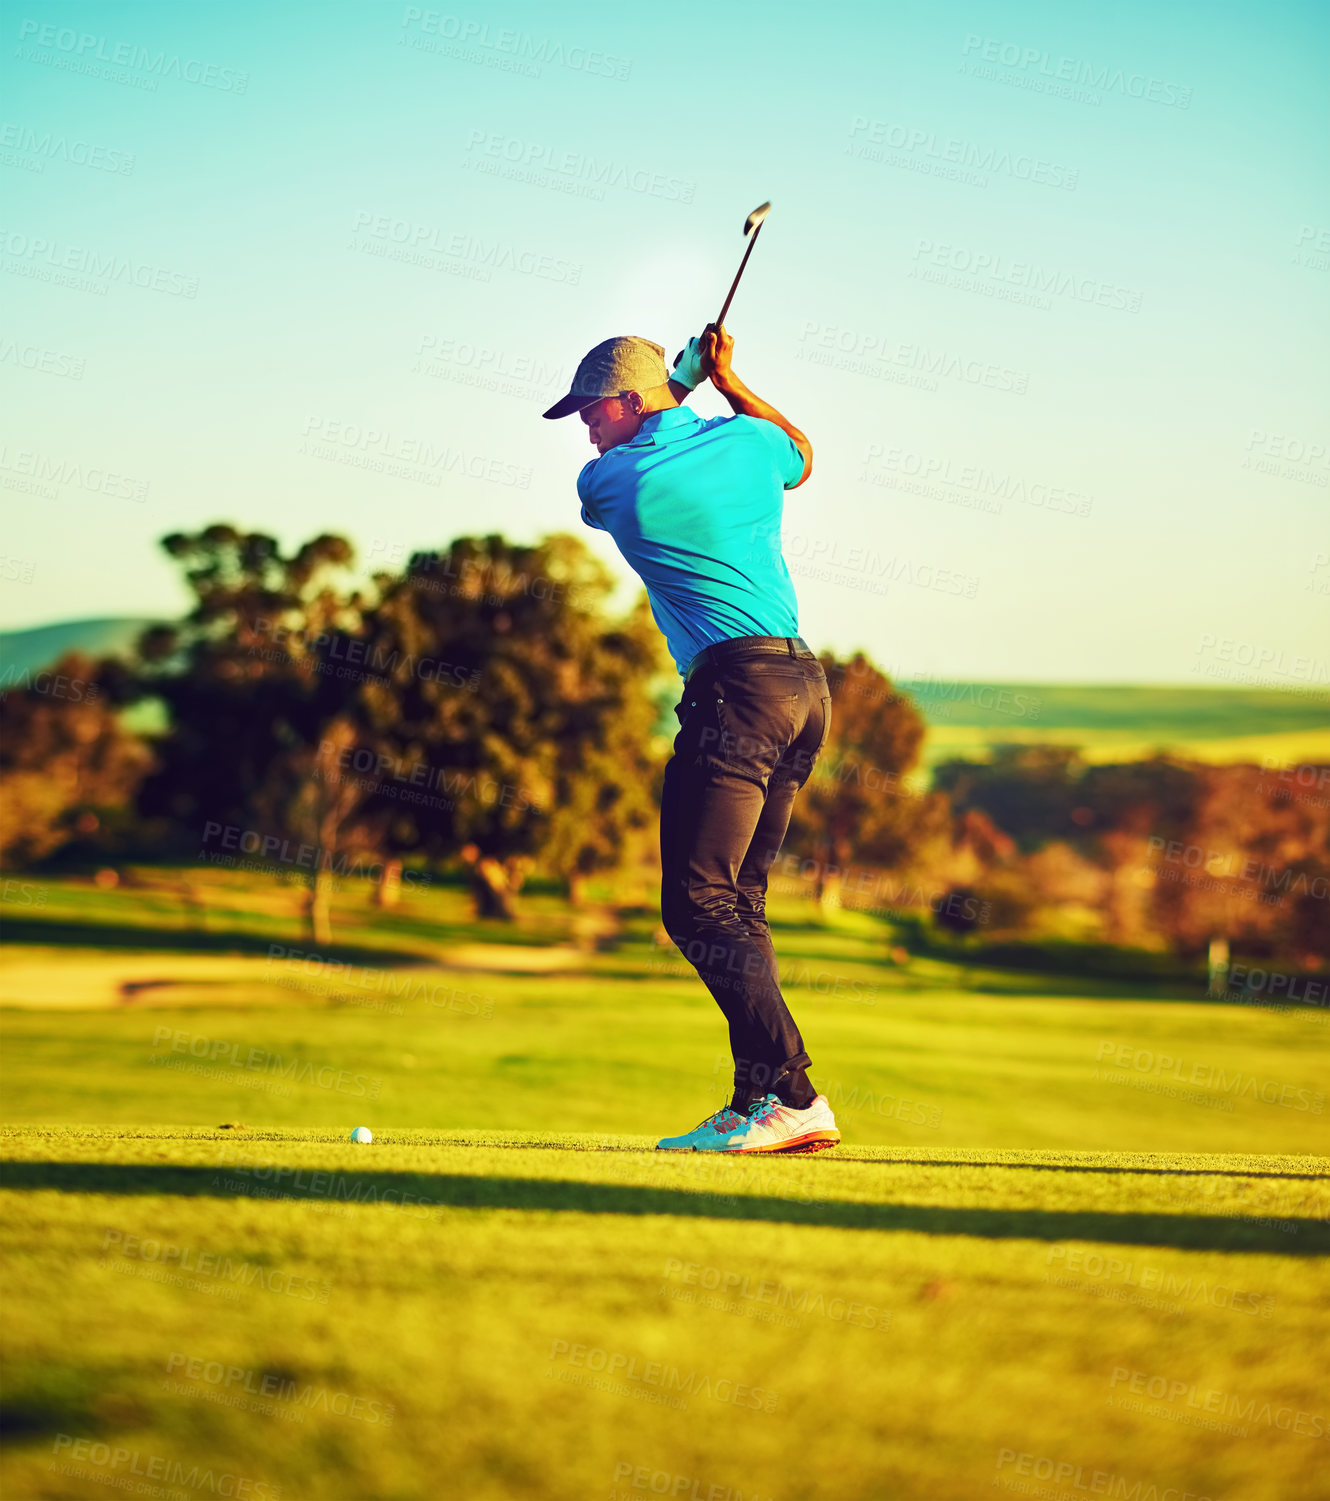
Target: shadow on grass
414, 1192
883, 984
75, 935
1078, 1167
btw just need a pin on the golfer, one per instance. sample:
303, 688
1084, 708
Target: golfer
695, 507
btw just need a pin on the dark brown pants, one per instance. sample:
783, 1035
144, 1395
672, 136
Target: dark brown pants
752, 726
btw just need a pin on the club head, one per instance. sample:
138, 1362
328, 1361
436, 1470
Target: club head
755, 218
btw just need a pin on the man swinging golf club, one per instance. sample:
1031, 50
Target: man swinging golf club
695, 507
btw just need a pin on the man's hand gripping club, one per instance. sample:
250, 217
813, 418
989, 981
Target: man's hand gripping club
708, 357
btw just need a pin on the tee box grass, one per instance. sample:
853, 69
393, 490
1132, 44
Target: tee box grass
1073, 1242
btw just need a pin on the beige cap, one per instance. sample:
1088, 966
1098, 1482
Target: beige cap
623, 364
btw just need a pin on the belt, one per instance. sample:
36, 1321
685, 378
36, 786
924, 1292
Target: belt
784, 646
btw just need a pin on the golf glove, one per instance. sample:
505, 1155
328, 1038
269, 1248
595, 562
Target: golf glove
688, 372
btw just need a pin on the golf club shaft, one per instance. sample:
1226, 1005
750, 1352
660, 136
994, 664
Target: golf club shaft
735, 283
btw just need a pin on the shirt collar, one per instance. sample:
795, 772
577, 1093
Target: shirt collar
666, 426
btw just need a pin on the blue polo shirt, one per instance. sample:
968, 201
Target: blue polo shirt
695, 507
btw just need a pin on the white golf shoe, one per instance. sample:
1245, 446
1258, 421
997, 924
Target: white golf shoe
772, 1126
708, 1136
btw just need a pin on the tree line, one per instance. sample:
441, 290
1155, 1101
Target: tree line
481, 705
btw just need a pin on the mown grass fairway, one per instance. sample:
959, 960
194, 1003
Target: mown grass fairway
542, 1317
1075, 1226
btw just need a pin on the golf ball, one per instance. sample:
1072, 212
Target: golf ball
362, 1133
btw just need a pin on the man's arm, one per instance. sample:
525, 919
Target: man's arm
717, 351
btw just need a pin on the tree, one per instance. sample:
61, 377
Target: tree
608, 779
1251, 867
1029, 791
859, 803
478, 704
252, 680
520, 714
1123, 813
68, 767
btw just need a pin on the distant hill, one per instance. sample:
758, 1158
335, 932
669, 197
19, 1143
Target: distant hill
1125, 722
28, 651
1184, 710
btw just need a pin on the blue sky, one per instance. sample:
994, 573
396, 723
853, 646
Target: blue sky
1046, 287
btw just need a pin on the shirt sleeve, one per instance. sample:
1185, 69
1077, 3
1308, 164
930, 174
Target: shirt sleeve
584, 495
789, 461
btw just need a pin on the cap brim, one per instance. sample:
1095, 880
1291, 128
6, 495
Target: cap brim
571, 403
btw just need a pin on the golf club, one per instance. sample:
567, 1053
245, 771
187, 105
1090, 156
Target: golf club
752, 226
